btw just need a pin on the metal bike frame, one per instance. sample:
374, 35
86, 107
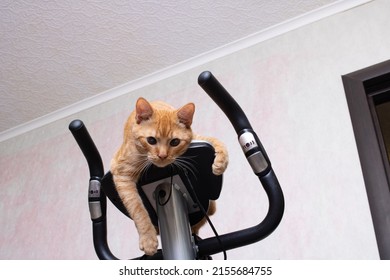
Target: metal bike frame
174, 225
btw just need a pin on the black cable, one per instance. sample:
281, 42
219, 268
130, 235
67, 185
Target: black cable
207, 217
204, 212
213, 228
162, 192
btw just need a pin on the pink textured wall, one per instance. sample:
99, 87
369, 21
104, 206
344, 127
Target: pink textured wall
291, 90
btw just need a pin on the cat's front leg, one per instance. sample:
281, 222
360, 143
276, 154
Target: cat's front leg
221, 159
129, 195
147, 232
148, 242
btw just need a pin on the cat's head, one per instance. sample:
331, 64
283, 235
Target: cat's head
162, 132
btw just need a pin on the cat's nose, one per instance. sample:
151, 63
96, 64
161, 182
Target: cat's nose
162, 155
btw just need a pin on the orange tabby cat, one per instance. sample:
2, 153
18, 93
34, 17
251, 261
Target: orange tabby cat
155, 133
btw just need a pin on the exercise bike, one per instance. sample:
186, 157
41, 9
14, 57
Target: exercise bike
177, 198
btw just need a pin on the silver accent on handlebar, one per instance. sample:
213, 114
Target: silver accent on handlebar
94, 189
258, 162
95, 207
247, 141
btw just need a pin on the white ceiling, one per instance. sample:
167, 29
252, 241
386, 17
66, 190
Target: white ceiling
56, 53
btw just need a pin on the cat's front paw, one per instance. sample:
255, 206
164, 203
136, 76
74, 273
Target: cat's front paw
220, 163
148, 243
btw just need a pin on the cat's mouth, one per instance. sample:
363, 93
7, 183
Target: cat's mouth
162, 162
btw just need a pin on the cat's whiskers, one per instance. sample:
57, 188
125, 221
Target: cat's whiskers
184, 163
146, 166
141, 163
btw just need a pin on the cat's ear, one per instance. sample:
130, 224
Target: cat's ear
143, 110
186, 113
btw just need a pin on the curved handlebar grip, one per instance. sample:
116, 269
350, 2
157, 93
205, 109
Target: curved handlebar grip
253, 234
261, 165
97, 201
250, 143
99, 230
87, 146
224, 100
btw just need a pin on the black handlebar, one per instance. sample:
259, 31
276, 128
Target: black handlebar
224, 100
96, 171
253, 150
261, 165
253, 234
87, 146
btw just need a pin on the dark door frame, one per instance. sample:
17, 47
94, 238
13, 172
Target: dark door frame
360, 88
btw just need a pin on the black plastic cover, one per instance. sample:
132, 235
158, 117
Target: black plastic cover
207, 186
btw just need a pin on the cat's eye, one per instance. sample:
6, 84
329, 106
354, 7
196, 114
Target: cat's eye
151, 140
174, 142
